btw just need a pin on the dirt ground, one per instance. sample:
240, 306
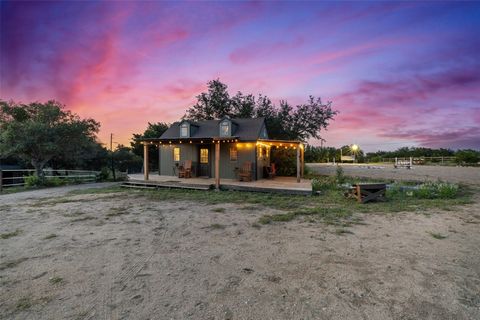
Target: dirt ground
466, 175
119, 256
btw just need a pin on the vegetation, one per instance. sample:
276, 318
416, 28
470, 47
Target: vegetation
39, 132
8, 235
437, 235
331, 207
154, 130
327, 154
283, 121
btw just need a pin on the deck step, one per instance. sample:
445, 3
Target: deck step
153, 185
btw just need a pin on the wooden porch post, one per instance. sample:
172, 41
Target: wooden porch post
302, 153
298, 163
217, 166
145, 162
159, 158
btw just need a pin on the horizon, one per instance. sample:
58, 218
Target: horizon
400, 73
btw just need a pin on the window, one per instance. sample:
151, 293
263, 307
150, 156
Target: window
224, 129
176, 154
203, 155
184, 130
233, 154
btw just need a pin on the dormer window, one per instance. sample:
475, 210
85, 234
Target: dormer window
184, 130
225, 129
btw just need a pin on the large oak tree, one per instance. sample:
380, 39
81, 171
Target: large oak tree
300, 122
38, 132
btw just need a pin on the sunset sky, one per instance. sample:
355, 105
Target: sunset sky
401, 74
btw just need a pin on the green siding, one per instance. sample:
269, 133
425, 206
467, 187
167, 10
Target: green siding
227, 167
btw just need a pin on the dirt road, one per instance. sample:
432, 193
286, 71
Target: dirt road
120, 256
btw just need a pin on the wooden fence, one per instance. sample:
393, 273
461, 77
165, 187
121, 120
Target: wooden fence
16, 177
423, 160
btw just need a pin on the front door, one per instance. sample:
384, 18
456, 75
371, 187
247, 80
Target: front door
204, 161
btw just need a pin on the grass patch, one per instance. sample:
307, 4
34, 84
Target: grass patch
11, 264
24, 303
331, 207
10, 234
55, 280
342, 231
117, 211
220, 210
50, 236
217, 226
83, 219
113, 189
436, 235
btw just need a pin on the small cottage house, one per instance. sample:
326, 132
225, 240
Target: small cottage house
218, 148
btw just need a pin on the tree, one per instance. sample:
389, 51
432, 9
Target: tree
154, 130
38, 132
126, 160
283, 122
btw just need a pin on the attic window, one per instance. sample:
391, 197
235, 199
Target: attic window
225, 129
184, 130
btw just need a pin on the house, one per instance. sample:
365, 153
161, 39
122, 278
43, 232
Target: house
218, 149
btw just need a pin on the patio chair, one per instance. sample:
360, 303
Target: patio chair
245, 173
271, 171
185, 171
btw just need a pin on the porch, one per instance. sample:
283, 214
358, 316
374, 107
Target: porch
286, 185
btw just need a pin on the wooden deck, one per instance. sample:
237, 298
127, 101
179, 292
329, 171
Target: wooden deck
286, 185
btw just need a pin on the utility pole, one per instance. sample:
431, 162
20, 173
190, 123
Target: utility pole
111, 153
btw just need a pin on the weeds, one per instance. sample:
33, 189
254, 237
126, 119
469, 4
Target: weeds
11, 264
220, 210
55, 280
117, 211
341, 231
10, 234
50, 236
437, 235
216, 226
24, 303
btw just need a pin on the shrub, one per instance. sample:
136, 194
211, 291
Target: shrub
32, 181
53, 182
433, 190
323, 183
339, 175
104, 174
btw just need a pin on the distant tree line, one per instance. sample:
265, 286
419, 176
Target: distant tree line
326, 154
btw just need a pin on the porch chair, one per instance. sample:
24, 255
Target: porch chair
272, 171
245, 173
185, 171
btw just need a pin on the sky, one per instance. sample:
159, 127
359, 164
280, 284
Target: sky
399, 73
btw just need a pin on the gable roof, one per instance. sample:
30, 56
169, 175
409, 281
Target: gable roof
247, 129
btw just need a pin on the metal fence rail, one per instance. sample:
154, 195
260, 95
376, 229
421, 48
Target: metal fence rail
16, 177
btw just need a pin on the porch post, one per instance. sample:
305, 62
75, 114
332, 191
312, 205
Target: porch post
159, 158
217, 166
302, 153
145, 162
298, 163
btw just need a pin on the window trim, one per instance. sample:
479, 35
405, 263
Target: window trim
228, 125
175, 155
235, 150
184, 126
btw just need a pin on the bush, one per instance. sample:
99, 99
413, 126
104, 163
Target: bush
340, 176
104, 174
324, 183
436, 190
32, 181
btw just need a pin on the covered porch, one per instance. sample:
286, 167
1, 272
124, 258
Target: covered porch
259, 152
